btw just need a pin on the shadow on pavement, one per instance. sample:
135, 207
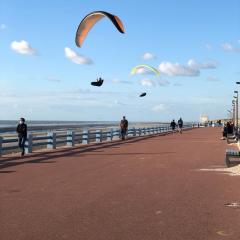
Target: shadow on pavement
41, 157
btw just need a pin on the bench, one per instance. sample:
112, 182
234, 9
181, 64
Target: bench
231, 138
230, 153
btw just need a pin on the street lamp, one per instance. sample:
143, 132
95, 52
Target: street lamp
230, 114
237, 102
236, 97
233, 105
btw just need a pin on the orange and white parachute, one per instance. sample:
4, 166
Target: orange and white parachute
90, 20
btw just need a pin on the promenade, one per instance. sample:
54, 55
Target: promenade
147, 188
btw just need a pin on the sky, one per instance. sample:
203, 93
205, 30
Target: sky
195, 45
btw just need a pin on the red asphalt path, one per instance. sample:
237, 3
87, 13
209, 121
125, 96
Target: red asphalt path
144, 189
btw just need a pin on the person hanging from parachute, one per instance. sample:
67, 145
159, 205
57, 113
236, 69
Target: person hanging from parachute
143, 94
98, 82
88, 23
143, 68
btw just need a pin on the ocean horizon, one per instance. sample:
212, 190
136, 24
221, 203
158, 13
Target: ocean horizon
9, 126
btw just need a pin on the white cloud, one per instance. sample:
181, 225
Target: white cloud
53, 79
22, 47
76, 58
192, 68
147, 82
117, 81
159, 108
119, 103
176, 69
178, 84
210, 64
208, 46
212, 79
163, 82
230, 48
148, 56
2, 26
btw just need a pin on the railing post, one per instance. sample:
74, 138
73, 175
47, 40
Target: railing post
134, 131
30, 143
139, 131
111, 134
85, 137
52, 143
1, 143
71, 138
108, 136
98, 135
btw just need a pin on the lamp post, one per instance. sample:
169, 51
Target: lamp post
237, 103
230, 114
236, 97
233, 105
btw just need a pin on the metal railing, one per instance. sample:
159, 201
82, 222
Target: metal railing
52, 140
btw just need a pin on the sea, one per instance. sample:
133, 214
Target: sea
9, 126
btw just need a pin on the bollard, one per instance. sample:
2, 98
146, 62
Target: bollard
85, 137
1, 143
71, 138
30, 143
51, 142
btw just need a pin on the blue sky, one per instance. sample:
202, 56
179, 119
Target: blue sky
194, 44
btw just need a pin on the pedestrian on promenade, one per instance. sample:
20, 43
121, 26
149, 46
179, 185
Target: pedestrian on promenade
230, 128
224, 132
22, 135
123, 127
180, 125
173, 125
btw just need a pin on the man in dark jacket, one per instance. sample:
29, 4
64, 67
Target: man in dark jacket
123, 127
173, 125
22, 134
180, 125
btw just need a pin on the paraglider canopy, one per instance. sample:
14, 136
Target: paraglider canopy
97, 83
90, 20
141, 69
143, 94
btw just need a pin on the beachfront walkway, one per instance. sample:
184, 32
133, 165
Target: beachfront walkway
149, 189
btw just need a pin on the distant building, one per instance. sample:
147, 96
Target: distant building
204, 119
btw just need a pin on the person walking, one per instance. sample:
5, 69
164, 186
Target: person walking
22, 135
180, 125
123, 127
224, 132
173, 125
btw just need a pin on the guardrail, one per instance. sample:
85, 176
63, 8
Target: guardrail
52, 140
